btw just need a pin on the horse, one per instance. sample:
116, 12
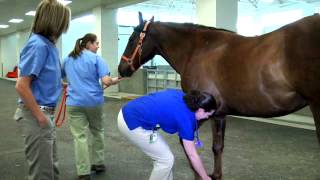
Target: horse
263, 76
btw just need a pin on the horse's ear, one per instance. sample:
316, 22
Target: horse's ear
140, 18
152, 19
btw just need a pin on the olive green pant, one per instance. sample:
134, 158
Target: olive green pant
39, 145
82, 119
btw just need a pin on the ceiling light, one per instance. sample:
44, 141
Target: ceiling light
3, 26
65, 2
31, 13
15, 20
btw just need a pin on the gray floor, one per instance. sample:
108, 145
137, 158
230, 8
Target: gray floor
253, 150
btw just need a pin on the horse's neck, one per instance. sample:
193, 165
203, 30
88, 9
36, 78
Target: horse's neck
177, 44
172, 46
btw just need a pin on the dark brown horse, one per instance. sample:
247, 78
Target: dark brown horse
265, 76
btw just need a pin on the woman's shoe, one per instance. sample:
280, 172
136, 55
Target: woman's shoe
98, 168
84, 177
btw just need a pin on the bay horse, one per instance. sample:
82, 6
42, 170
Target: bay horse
264, 76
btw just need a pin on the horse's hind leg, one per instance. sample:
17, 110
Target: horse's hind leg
218, 129
315, 109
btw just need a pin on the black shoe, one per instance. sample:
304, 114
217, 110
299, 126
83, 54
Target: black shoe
84, 177
98, 168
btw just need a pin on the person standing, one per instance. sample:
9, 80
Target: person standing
83, 69
174, 112
39, 87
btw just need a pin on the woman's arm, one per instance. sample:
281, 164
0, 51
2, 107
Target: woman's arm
195, 159
24, 90
108, 81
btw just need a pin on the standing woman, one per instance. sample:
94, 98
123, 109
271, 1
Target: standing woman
39, 87
83, 69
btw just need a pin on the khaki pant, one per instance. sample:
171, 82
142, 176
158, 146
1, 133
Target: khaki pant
80, 120
159, 151
40, 145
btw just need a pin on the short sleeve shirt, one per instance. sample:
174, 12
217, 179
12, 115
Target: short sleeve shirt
83, 75
164, 108
40, 60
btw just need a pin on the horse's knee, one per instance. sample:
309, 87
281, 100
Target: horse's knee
217, 148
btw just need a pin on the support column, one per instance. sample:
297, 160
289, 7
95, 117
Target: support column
217, 13
1, 63
106, 29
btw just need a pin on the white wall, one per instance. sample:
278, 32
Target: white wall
1, 73
77, 29
253, 21
9, 52
10, 47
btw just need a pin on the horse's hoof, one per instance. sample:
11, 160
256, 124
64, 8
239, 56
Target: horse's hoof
214, 178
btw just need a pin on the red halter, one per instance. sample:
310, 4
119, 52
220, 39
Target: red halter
137, 49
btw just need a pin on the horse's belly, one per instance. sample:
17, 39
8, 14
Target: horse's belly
268, 105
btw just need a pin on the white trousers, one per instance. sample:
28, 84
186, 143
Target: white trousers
158, 151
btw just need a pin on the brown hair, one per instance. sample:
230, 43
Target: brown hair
196, 99
51, 20
81, 44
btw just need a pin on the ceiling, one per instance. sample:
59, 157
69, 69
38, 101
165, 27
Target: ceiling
17, 8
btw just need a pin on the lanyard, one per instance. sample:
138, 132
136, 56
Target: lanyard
198, 142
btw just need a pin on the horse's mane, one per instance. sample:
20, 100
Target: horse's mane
198, 26
139, 28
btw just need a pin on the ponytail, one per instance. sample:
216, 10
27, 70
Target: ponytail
77, 49
81, 44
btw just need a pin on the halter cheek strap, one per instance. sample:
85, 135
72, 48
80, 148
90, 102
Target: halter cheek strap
138, 48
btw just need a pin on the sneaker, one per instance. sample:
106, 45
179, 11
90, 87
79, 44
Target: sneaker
84, 177
98, 168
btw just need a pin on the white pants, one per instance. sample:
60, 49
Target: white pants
158, 151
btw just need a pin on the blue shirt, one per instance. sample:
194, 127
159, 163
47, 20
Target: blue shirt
165, 108
83, 74
39, 59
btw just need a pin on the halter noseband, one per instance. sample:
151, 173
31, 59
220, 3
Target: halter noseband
137, 49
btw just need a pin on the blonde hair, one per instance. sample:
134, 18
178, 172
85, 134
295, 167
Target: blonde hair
51, 20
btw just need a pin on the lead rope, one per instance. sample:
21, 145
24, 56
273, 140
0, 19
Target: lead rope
63, 108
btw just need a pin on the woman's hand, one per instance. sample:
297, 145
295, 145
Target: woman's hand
108, 81
116, 80
42, 120
23, 88
195, 160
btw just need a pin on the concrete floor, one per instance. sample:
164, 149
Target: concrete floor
253, 150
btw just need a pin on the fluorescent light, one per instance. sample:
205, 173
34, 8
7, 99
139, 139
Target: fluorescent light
3, 26
31, 13
65, 2
15, 20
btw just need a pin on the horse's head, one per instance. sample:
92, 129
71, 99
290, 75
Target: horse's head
138, 50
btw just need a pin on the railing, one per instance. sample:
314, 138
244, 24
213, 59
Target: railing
159, 79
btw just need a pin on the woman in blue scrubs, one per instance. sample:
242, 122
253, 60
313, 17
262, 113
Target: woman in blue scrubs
39, 87
83, 69
173, 112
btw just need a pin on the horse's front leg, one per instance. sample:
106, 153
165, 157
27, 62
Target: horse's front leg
218, 125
